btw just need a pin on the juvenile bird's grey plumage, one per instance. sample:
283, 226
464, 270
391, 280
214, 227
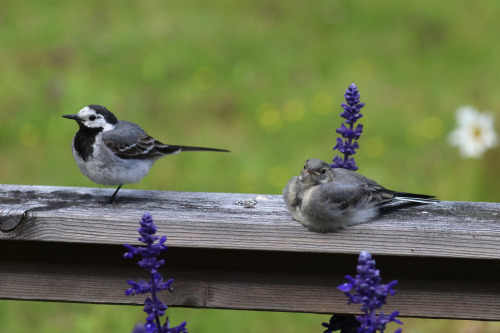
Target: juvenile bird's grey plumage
325, 199
114, 152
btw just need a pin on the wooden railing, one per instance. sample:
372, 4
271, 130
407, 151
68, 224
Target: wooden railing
66, 244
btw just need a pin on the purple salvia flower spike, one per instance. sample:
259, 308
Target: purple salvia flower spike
149, 261
370, 294
351, 114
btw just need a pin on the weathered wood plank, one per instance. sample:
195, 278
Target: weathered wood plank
214, 220
68, 247
252, 280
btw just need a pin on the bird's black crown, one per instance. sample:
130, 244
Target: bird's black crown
108, 115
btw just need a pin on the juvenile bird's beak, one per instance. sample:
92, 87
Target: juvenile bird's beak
313, 172
71, 116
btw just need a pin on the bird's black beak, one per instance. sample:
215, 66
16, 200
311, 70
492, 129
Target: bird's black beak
313, 172
71, 116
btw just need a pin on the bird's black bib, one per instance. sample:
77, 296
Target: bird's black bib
84, 142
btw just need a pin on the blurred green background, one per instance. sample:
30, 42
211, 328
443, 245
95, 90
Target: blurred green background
263, 78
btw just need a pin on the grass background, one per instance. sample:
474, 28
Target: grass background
263, 78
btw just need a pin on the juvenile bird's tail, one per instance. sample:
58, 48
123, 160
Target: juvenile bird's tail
421, 198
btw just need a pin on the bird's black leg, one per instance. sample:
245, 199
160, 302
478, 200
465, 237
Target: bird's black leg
112, 199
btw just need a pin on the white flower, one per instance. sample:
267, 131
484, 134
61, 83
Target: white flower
475, 133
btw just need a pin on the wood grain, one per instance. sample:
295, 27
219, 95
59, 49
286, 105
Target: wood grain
65, 244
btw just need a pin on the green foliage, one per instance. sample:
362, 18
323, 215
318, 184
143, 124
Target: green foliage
262, 78
41, 317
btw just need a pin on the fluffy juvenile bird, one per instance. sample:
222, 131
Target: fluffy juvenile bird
114, 152
325, 199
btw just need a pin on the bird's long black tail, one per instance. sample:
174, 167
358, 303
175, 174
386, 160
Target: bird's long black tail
412, 197
187, 148
174, 149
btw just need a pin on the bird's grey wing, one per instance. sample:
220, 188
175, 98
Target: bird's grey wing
359, 186
130, 141
379, 194
355, 192
340, 192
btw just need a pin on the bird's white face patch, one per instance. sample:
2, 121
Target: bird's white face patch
91, 119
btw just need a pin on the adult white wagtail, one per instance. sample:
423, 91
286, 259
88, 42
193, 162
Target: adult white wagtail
114, 152
324, 199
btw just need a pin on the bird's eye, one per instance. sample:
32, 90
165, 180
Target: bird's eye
304, 166
323, 171
92, 118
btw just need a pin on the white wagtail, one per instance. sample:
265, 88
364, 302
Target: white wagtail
114, 152
325, 199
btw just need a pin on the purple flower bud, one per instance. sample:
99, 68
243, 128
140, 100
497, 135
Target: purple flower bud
178, 329
357, 131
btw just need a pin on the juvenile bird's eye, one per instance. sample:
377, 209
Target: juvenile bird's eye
323, 171
304, 166
92, 118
